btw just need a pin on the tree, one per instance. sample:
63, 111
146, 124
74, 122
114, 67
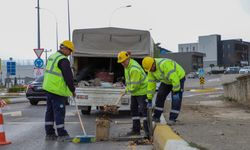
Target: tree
211, 65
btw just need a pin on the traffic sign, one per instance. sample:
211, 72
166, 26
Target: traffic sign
38, 72
201, 72
38, 63
39, 52
11, 68
202, 80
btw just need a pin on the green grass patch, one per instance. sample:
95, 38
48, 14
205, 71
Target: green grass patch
16, 89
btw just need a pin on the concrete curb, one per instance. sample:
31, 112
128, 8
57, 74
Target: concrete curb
14, 101
11, 94
204, 90
166, 139
13, 98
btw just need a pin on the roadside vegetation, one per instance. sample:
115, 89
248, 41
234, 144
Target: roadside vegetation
16, 89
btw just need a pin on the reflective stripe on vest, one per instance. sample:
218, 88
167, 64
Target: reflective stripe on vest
52, 68
139, 82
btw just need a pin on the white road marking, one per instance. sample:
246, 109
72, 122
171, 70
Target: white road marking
37, 122
14, 114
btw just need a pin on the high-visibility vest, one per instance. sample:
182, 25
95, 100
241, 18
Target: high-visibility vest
168, 72
53, 78
136, 79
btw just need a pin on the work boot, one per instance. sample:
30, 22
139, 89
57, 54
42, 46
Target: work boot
146, 136
133, 133
156, 120
51, 137
64, 138
171, 122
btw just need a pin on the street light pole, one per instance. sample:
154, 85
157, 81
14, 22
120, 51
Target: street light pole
68, 20
52, 13
38, 25
127, 6
70, 57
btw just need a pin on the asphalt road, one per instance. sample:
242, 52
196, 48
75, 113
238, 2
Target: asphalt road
24, 127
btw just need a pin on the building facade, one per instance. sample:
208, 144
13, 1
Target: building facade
222, 53
234, 53
190, 61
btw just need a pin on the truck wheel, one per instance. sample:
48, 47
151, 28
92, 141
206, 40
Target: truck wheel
33, 102
86, 111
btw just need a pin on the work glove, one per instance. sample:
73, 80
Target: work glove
149, 103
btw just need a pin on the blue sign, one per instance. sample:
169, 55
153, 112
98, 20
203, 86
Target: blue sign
201, 72
38, 63
11, 68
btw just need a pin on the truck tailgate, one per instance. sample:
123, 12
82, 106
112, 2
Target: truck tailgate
97, 96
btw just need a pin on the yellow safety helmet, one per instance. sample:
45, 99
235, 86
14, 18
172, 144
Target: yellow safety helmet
69, 45
122, 56
147, 63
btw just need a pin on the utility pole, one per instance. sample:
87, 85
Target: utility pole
38, 25
69, 20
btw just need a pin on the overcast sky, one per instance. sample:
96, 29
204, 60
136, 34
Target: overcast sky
171, 22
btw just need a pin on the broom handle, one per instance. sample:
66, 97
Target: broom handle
119, 99
80, 119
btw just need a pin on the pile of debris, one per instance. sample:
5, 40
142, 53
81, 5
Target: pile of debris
110, 109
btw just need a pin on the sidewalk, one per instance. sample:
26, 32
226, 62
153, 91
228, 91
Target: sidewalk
208, 121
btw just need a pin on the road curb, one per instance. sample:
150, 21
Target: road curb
11, 94
204, 90
166, 139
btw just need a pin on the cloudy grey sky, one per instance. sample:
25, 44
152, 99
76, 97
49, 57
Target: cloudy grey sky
171, 21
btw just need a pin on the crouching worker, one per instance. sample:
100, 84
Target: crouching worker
172, 78
136, 85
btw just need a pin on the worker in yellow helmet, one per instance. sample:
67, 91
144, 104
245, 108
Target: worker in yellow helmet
172, 78
136, 85
58, 83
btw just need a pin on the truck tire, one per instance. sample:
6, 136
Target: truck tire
33, 102
86, 111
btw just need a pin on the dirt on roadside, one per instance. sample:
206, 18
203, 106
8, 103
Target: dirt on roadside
213, 122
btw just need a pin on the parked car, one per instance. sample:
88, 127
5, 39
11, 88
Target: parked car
35, 93
245, 70
232, 70
193, 75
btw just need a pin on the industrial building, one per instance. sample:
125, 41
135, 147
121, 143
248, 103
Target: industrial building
190, 61
222, 53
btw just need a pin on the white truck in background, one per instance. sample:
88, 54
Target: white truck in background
95, 60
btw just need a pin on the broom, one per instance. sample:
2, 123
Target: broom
82, 138
113, 108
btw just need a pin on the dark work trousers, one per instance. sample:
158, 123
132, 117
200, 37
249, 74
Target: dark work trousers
162, 94
55, 113
138, 108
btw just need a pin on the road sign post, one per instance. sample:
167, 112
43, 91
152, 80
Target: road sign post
38, 63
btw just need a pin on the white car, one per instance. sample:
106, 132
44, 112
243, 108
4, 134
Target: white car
245, 70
